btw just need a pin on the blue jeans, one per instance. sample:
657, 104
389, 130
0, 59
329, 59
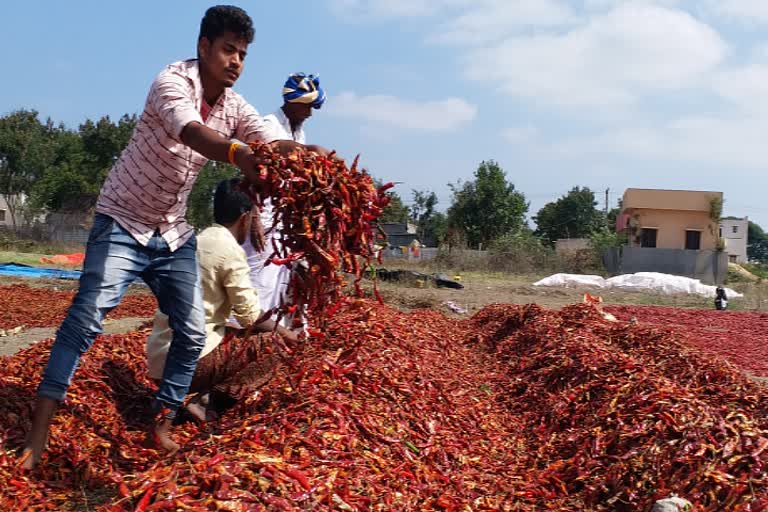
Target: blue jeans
113, 260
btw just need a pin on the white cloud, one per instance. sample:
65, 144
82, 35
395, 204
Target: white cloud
637, 84
610, 61
596, 5
490, 19
705, 141
520, 135
426, 116
369, 9
746, 87
749, 11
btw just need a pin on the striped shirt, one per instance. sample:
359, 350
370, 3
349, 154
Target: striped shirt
148, 186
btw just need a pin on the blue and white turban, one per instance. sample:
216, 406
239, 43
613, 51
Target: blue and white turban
301, 88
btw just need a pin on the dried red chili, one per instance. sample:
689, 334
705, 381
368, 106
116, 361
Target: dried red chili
28, 306
516, 409
327, 212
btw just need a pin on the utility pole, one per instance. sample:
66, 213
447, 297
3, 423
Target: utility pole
606, 201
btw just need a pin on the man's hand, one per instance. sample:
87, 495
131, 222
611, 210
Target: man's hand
251, 164
291, 337
258, 241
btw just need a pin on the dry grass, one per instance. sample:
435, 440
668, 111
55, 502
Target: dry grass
483, 288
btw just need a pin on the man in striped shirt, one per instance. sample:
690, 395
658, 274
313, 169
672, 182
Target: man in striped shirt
191, 115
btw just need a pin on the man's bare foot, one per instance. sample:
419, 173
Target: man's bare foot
161, 433
198, 408
37, 439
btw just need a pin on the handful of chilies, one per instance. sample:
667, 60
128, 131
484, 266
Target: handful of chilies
327, 213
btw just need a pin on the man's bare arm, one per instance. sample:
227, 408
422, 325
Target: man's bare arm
269, 326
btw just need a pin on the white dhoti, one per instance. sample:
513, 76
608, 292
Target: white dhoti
270, 281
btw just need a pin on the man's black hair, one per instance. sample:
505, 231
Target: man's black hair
229, 202
226, 18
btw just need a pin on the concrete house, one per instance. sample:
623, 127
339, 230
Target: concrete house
671, 219
670, 231
734, 234
399, 234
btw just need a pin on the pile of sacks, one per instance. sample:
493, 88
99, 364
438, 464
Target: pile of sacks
666, 284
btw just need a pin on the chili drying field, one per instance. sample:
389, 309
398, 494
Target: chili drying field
516, 407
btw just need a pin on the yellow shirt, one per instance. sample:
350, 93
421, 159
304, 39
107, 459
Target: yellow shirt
226, 283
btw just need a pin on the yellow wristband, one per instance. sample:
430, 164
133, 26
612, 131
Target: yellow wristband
231, 152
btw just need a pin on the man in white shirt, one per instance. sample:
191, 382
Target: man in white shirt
228, 369
301, 94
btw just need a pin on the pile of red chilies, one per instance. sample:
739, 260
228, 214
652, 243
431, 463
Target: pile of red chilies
328, 214
623, 415
388, 412
739, 336
28, 306
516, 409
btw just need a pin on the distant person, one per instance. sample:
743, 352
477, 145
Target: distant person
721, 299
228, 370
191, 115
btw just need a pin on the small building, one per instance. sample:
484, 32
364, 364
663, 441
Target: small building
733, 232
399, 234
670, 231
671, 219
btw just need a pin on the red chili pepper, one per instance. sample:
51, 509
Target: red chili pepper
299, 477
144, 501
18, 483
385, 187
215, 460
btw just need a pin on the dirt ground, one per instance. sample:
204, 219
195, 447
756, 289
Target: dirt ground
481, 289
9, 345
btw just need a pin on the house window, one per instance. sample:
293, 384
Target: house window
735, 229
733, 258
2, 215
693, 240
648, 237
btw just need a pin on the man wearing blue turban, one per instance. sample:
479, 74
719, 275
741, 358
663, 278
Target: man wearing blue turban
301, 94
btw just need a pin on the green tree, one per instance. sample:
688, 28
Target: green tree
436, 228
26, 150
487, 207
757, 243
613, 214
428, 221
572, 216
81, 163
64, 181
396, 211
200, 204
102, 142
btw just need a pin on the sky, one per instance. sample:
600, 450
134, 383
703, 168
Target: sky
607, 94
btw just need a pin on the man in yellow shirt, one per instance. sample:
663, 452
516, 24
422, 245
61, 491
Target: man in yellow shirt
228, 369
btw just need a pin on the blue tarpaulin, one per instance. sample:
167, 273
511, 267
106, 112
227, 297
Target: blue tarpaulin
14, 269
